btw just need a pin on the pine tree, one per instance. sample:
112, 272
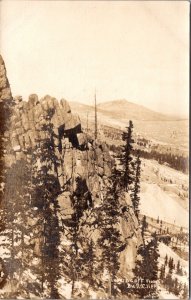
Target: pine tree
16, 209
162, 273
136, 185
88, 259
185, 292
144, 226
78, 259
180, 287
171, 265
166, 260
47, 189
126, 158
178, 267
70, 251
147, 267
110, 240
90, 265
169, 282
153, 253
176, 287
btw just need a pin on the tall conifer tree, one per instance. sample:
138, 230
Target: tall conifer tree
126, 158
136, 185
16, 210
47, 189
110, 240
147, 267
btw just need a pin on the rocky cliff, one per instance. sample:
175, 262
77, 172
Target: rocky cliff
78, 155
6, 103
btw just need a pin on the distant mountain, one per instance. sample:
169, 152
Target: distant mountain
123, 109
169, 130
128, 110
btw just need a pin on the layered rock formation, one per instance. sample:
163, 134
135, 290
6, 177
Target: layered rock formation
29, 117
6, 104
78, 155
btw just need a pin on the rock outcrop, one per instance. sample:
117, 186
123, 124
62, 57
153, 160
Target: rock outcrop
5, 91
6, 103
78, 156
29, 117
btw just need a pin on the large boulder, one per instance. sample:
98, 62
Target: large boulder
73, 122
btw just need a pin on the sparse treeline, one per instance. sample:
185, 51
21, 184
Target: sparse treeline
170, 275
177, 162
40, 248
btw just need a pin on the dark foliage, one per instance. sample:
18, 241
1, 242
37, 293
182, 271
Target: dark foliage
135, 190
126, 158
147, 267
177, 162
110, 240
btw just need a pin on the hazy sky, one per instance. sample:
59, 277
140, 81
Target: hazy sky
130, 50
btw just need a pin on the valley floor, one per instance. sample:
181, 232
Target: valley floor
164, 193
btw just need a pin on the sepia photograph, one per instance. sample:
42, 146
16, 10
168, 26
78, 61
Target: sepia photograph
94, 149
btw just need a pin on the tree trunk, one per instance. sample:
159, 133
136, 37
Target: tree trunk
73, 286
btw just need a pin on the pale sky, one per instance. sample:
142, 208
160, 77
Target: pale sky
133, 50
